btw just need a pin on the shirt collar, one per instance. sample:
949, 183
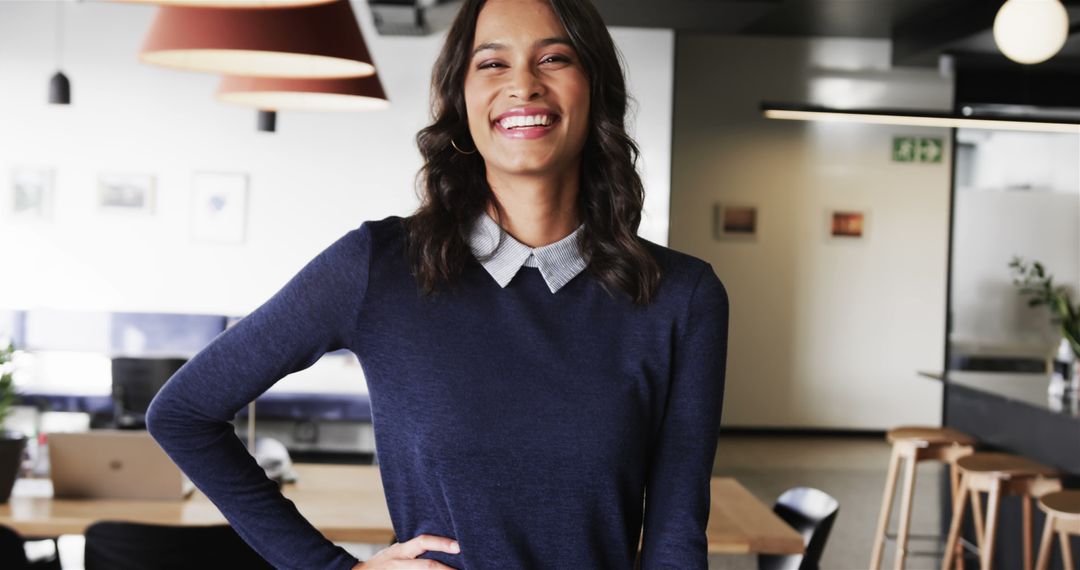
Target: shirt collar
558, 262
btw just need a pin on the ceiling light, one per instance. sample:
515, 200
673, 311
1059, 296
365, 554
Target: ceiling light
1031, 31
229, 3
916, 118
312, 41
281, 94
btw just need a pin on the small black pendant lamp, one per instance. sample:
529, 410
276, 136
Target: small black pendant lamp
59, 86
267, 121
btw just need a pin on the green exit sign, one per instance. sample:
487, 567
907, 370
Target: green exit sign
917, 149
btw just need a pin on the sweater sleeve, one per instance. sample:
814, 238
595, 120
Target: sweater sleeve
314, 313
677, 491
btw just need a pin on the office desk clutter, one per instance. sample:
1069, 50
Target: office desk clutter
113, 464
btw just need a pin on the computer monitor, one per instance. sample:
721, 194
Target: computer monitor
135, 382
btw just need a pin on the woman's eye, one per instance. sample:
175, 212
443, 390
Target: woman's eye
488, 65
557, 58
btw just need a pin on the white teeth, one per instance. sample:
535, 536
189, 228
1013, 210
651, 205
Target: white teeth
517, 121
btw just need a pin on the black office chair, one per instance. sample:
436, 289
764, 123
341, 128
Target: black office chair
811, 513
13, 553
114, 545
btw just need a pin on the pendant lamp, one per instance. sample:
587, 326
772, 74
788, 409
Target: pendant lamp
229, 3
1031, 31
323, 40
266, 121
59, 86
284, 94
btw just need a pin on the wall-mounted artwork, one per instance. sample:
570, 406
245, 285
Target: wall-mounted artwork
126, 193
218, 207
734, 222
31, 193
847, 224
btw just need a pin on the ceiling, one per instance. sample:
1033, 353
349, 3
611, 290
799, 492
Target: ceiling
920, 30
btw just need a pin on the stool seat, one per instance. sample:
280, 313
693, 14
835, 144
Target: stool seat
1004, 465
1062, 510
912, 445
929, 435
998, 474
1062, 504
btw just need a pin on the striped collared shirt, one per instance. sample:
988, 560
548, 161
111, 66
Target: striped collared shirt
558, 262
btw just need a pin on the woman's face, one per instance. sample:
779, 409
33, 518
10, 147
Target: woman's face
526, 94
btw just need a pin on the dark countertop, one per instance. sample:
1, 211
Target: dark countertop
1025, 388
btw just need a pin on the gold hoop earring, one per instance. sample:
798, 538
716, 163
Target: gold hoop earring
453, 144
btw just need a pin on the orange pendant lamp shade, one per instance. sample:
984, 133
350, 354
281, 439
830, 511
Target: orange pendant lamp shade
312, 41
281, 94
229, 3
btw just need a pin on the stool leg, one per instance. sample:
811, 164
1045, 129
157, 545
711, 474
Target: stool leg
993, 504
1044, 544
1026, 526
1066, 551
954, 485
905, 512
977, 515
959, 500
886, 510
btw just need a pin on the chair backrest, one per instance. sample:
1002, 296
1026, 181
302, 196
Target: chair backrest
810, 512
114, 545
12, 553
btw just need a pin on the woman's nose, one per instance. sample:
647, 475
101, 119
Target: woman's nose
524, 83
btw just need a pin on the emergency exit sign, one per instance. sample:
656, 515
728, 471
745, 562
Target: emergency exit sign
917, 149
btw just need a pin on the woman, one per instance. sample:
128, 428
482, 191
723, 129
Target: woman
536, 370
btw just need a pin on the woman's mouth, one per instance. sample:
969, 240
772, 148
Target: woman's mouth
526, 127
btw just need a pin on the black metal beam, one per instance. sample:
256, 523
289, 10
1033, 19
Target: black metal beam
920, 39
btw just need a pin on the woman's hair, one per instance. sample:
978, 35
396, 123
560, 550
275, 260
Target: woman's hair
453, 187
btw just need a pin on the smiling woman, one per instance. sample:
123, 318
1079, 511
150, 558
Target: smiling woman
545, 384
506, 66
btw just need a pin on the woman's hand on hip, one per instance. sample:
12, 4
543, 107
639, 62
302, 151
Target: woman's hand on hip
402, 556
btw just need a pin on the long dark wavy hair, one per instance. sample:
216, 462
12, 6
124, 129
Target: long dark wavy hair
453, 187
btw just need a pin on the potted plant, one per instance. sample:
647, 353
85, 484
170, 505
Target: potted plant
1034, 282
12, 443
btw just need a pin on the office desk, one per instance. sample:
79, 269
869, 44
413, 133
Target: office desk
346, 503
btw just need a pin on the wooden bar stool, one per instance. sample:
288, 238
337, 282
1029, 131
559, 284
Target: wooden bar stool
914, 444
997, 474
1062, 510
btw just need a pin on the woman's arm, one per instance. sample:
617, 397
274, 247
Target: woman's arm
677, 486
314, 313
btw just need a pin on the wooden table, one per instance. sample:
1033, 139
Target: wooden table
346, 503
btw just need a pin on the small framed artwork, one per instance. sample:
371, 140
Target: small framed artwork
126, 193
31, 193
847, 225
218, 207
734, 222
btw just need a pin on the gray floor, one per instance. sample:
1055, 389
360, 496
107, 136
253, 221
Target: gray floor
850, 469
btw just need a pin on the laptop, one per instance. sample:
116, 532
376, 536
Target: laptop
113, 464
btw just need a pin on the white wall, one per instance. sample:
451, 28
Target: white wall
317, 177
822, 334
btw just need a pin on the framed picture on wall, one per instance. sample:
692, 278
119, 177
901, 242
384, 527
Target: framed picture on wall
31, 195
734, 222
847, 225
218, 207
126, 193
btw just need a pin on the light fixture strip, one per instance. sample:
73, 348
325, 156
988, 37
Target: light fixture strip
917, 120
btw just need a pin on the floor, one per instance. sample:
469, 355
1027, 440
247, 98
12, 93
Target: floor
851, 469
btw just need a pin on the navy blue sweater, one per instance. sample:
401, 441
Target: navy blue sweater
539, 430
